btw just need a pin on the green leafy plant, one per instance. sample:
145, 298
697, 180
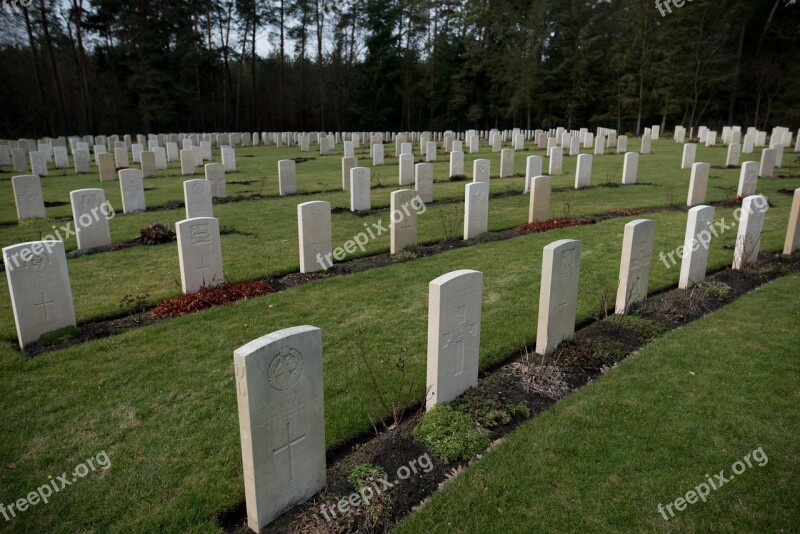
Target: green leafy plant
451, 434
362, 474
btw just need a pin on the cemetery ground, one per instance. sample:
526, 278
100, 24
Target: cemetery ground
160, 399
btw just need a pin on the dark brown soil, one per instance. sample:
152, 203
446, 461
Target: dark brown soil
595, 350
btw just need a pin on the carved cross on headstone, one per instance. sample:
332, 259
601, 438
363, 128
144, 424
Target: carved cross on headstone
464, 331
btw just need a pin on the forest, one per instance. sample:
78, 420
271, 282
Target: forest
144, 66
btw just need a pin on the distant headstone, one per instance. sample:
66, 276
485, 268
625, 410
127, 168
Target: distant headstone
423, 180
481, 169
377, 155
698, 184
281, 421
506, 163
229, 159
147, 160
533, 168
38, 283
38, 163
634, 268
61, 157
430, 151
556, 156
197, 198
314, 230
767, 168
689, 153
105, 165
18, 160
456, 163
161, 158
558, 294
359, 189
188, 163
199, 253
748, 179
630, 168
733, 155
406, 169
131, 187
348, 163
539, 206
583, 172
748, 236
287, 177
476, 209
454, 333
172, 152
647, 143
89, 218
215, 173
600, 145
28, 196
622, 144
403, 219
695, 246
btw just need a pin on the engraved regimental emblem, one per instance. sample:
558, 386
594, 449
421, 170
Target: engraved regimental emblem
285, 369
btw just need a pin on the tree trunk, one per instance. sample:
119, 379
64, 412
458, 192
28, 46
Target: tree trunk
54, 68
736, 70
48, 129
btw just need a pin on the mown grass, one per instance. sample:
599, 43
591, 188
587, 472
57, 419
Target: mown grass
160, 400
687, 406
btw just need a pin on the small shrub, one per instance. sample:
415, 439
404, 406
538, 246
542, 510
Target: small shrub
718, 290
450, 434
645, 329
156, 234
361, 475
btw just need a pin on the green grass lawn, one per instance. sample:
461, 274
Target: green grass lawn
160, 400
687, 406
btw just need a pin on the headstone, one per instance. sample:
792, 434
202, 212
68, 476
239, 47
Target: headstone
506, 163
792, 241
287, 177
38, 283
18, 160
172, 152
403, 220
197, 198
558, 294
622, 144
711, 139
136, 150
767, 168
377, 155
61, 157
533, 168
748, 236
423, 181
38, 164
748, 179
778, 148
89, 218
348, 149
348, 163
574, 146
481, 169
474, 144
281, 421
689, 153
454, 334
215, 173
359, 189
646, 144
199, 253
698, 184
131, 187
634, 268
430, 151
406, 169
324, 148
456, 163
749, 144
160, 156
314, 231
476, 209
733, 155
583, 172
229, 159
147, 160
28, 196
5, 155
105, 166
630, 169
188, 163
556, 157
205, 150
539, 206
600, 145
695, 246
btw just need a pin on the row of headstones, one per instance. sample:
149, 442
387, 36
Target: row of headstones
279, 377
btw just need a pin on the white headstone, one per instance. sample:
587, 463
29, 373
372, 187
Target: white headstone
634, 268
689, 153
406, 169
556, 157
28, 196
18, 160
188, 163
423, 181
348, 163
90, 214
314, 231
61, 157
404, 205
539, 205
456, 163
38, 163
172, 152
481, 169
533, 168
583, 172
281, 421
454, 333
792, 241
476, 209
229, 159
131, 187
558, 294
646, 144
197, 198
630, 168
38, 283
695, 246
287, 177
377, 155
161, 158
622, 144
360, 199
199, 253
748, 179
506, 163
748, 236
698, 184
